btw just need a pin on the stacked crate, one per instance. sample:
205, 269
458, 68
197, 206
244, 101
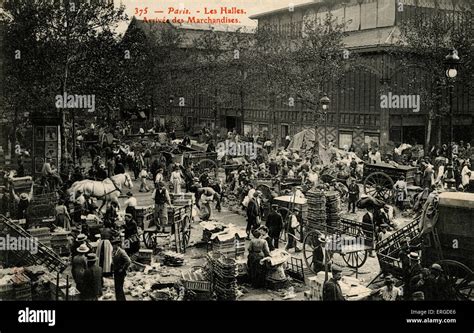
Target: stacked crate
43, 235
144, 215
60, 243
6, 288
145, 256
21, 287
232, 248
333, 209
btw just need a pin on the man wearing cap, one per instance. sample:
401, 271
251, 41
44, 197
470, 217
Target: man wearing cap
437, 285
254, 213
131, 205
354, 193
389, 292
120, 263
331, 288
79, 266
162, 200
131, 235
159, 176
275, 225
92, 286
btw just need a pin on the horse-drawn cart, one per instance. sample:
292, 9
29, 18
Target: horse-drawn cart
445, 234
379, 179
179, 226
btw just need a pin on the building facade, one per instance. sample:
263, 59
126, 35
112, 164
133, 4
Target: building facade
355, 114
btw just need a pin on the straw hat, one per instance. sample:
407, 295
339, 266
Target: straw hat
82, 249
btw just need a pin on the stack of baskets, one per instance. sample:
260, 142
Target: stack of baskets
224, 276
333, 209
316, 209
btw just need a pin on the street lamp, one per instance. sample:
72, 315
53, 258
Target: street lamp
451, 62
325, 101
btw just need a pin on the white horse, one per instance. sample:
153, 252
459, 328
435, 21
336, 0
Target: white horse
107, 190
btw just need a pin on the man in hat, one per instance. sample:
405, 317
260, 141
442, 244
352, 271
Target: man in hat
254, 213
204, 178
79, 266
389, 292
131, 205
412, 274
320, 255
436, 284
80, 239
92, 286
274, 225
331, 288
48, 172
294, 224
354, 193
23, 201
162, 200
120, 263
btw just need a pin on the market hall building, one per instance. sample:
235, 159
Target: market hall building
355, 115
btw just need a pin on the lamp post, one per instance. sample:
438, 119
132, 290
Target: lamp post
325, 101
451, 63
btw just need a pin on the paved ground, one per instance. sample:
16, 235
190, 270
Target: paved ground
196, 252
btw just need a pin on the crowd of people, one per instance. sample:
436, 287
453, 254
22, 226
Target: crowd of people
151, 163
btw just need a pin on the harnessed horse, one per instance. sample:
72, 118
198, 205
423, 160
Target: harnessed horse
108, 190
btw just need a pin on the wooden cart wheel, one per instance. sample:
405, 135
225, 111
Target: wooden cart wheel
355, 259
309, 245
186, 230
460, 279
206, 164
149, 239
379, 185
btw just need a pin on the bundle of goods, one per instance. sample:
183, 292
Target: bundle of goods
224, 276
145, 256
173, 259
144, 215
196, 284
333, 208
43, 235
316, 209
60, 242
209, 228
230, 242
182, 199
276, 277
21, 184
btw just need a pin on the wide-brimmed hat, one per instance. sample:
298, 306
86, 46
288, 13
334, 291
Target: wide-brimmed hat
322, 239
82, 248
23, 196
414, 256
81, 237
437, 267
91, 257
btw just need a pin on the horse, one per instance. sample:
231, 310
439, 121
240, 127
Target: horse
108, 190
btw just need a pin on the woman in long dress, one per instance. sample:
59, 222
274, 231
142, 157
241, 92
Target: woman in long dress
258, 249
466, 175
176, 179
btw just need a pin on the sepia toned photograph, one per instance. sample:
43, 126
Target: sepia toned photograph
279, 152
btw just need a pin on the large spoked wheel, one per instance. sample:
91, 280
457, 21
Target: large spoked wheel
379, 185
149, 239
186, 230
355, 259
460, 279
309, 246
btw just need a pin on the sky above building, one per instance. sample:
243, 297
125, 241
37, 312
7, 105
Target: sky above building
251, 7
